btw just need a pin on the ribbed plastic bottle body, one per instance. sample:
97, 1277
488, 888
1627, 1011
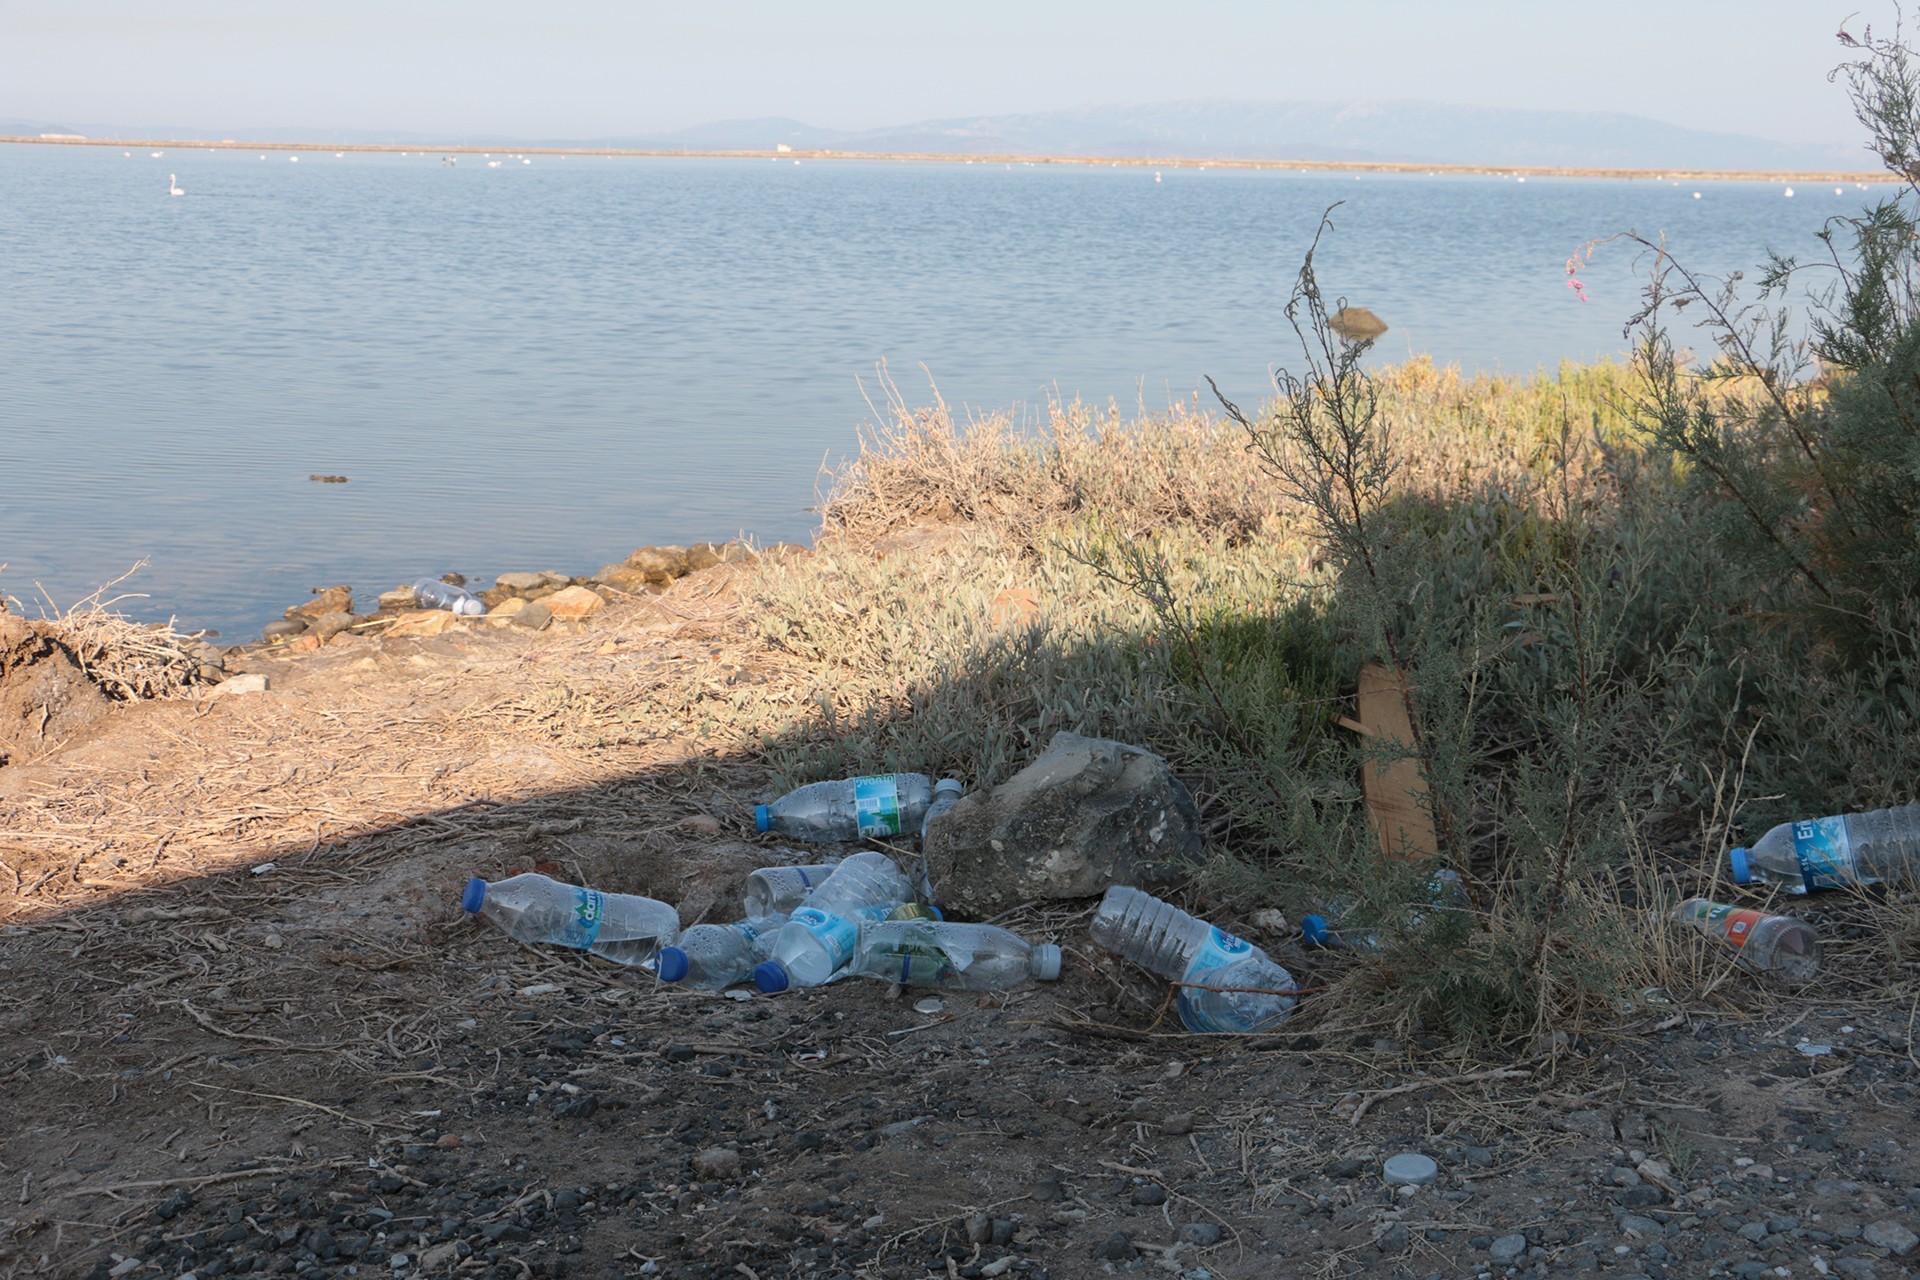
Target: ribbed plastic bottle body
713, 957
957, 957
433, 594
625, 928
881, 806
819, 938
1761, 941
775, 891
1166, 941
1833, 852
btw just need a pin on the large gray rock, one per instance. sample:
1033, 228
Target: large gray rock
1087, 814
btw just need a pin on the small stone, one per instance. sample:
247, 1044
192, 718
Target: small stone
1116, 1248
446, 1141
329, 625
508, 607
660, 564
171, 1207
1003, 1232
1643, 1228
1047, 1189
1201, 1234
282, 631
393, 602
249, 682
717, 1163
125, 1267
1394, 1239
1855, 1268
440, 1255
521, 581
1410, 1169
425, 622
534, 616
1508, 1249
1594, 1124
1179, 1123
326, 600
1753, 1232
1891, 1236
1150, 1194
979, 1229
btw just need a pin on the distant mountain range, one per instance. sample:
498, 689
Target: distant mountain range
1202, 128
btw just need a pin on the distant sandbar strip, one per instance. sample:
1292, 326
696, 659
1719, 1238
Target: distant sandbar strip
1137, 162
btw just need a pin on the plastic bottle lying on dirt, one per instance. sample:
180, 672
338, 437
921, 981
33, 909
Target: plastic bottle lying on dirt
1828, 853
820, 936
1324, 931
711, 957
946, 794
434, 594
1248, 991
849, 809
1761, 942
779, 890
621, 927
958, 957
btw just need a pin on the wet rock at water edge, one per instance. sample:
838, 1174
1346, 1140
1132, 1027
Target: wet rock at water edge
659, 564
329, 625
325, 600
1087, 814
397, 599
284, 630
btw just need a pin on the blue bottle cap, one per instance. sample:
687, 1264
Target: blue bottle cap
770, 977
1314, 930
762, 820
1742, 871
475, 896
671, 964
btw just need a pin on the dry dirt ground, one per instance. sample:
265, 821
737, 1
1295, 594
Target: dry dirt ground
246, 1031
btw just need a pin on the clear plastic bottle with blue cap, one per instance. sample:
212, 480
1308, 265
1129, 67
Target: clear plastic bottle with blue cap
819, 938
622, 927
1835, 852
1323, 929
712, 957
434, 594
1228, 985
950, 955
879, 807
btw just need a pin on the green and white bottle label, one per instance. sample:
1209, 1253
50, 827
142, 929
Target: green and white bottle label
876, 805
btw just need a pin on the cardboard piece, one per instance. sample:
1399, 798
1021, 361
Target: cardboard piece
1396, 790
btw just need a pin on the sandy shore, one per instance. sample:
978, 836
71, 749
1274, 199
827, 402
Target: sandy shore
1158, 162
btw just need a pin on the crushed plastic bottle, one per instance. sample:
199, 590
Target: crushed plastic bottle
712, 957
1762, 942
958, 957
778, 891
622, 927
1829, 853
1323, 930
820, 936
882, 806
1231, 985
434, 594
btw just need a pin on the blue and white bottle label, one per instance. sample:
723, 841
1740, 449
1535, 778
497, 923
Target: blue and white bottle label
1217, 952
1825, 853
838, 936
583, 928
876, 805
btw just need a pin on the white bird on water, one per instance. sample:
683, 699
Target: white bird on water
173, 186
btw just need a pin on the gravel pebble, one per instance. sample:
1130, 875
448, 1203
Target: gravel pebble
1890, 1235
1117, 1247
1507, 1250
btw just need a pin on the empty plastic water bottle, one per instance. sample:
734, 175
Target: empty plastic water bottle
1827, 853
1762, 942
959, 957
775, 891
621, 927
1323, 930
946, 794
710, 957
434, 594
819, 938
849, 809
1248, 991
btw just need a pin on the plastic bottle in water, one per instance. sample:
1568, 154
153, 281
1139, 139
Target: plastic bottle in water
1317, 930
850, 809
711, 957
1762, 942
1236, 988
959, 957
820, 936
621, 927
434, 594
777, 891
1827, 853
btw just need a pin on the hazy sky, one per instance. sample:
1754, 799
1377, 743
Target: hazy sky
586, 68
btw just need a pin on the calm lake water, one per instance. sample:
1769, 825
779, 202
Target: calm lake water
544, 365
